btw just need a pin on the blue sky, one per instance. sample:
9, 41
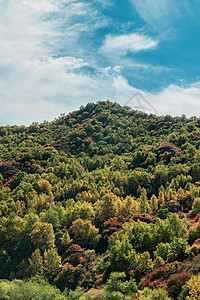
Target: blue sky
57, 55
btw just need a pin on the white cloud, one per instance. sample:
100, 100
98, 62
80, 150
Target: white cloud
65, 62
121, 44
35, 83
51, 91
176, 100
172, 100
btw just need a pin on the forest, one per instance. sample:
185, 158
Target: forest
102, 203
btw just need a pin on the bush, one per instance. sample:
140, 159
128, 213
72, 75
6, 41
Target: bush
160, 275
175, 283
158, 294
191, 289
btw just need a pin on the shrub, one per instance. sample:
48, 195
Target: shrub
159, 276
191, 290
175, 283
158, 294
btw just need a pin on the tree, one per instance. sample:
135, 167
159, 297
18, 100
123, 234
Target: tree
66, 240
143, 265
108, 207
154, 203
144, 204
194, 232
68, 277
177, 250
162, 250
122, 256
176, 227
83, 210
137, 179
44, 186
35, 263
158, 294
51, 216
171, 251
42, 236
176, 282
102, 294
161, 176
161, 198
169, 229
35, 288
141, 236
52, 262
117, 283
195, 207
129, 206
84, 233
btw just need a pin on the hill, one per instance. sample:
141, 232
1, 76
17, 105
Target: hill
103, 203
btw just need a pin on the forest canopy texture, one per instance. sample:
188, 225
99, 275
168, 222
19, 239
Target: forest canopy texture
103, 203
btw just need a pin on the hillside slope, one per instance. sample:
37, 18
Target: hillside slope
103, 202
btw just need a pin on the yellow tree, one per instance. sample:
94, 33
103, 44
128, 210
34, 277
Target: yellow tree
84, 233
154, 203
129, 206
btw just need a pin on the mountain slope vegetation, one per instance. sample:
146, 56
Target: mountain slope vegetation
103, 203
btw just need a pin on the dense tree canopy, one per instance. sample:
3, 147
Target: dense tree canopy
103, 203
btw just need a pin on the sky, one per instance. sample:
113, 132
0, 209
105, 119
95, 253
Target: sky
57, 55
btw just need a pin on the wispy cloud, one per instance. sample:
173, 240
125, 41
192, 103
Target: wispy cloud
162, 15
158, 14
121, 44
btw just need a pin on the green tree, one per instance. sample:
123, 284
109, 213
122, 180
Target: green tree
143, 265
191, 290
162, 250
35, 263
144, 204
117, 282
52, 262
42, 236
195, 207
44, 186
107, 208
122, 256
31, 289
154, 203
